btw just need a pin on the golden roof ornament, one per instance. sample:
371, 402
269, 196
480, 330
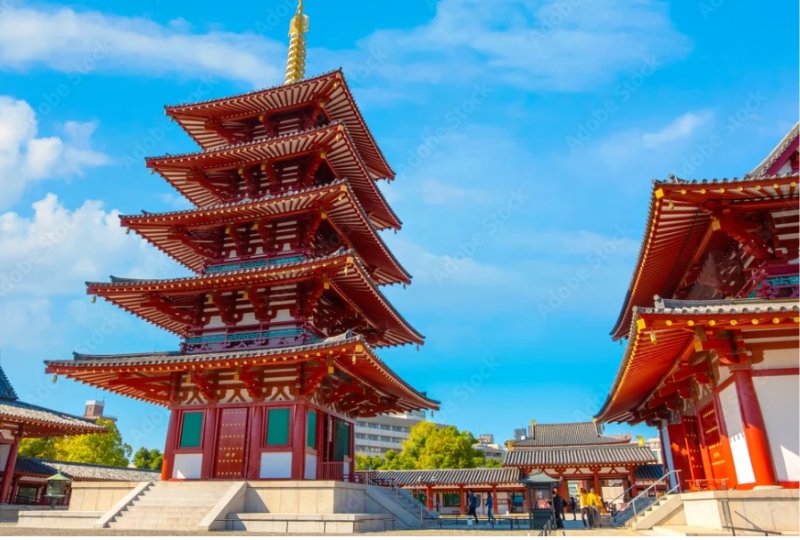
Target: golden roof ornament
296, 63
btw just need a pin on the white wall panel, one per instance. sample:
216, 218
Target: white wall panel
780, 407
733, 423
187, 466
276, 465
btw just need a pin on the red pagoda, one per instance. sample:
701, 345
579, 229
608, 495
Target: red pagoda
280, 322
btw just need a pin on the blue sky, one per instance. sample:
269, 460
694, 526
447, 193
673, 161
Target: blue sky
525, 134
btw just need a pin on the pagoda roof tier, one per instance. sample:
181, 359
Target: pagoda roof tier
192, 173
347, 277
337, 200
569, 434
208, 121
679, 224
347, 354
554, 456
664, 337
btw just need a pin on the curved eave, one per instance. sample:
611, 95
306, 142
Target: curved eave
332, 85
338, 199
347, 275
660, 336
672, 235
342, 157
99, 370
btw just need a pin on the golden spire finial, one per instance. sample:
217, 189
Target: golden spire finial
296, 63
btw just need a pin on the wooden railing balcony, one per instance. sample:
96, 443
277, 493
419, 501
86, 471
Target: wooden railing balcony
334, 470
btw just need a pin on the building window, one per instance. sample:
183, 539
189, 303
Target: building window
360, 436
311, 430
278, 427
451, 499
191, 428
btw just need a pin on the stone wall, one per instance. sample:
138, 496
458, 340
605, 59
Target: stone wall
98, 496
305, 497
766, 509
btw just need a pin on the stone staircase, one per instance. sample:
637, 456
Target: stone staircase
626, 515
405, 508
658, 512
170, 506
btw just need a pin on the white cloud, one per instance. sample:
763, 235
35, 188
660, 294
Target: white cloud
25, 159
561, 45
73, 41
55, 250
682, 127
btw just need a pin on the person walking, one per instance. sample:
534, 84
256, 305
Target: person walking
490, 509
558, 505
573, 506
594, 505
586, 513
473, 505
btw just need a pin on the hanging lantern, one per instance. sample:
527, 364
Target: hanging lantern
94, 298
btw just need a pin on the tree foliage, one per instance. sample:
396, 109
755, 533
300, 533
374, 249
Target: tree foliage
430, 447
96, 448
148, 459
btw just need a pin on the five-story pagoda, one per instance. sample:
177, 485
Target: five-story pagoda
280, 321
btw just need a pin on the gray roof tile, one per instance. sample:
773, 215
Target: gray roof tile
448, 477
84, 471
579, 455
576, 433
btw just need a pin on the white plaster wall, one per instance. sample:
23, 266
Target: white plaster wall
780, 358
733, 423
780, 407
282, 315
311, 467
4, 450
248, 319
187, 466
276, 465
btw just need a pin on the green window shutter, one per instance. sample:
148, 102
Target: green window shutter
451, 499
278, 427
311, 429
191, 428
342, 440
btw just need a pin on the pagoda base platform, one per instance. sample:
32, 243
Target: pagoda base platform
282, 506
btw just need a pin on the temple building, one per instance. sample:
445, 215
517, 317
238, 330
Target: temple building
23, 420
711, 322
280, 321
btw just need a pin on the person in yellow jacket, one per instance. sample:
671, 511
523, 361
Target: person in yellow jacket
586, 512
595, 504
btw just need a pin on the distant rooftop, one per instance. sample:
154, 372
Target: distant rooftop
569, 434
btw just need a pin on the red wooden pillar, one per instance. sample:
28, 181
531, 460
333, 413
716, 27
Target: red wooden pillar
596, 480
255, 443
461, 500
169, 446
299, 441
525, 502
494, 498
209, 443
724, 441
429, 498
632, 482
755, 432
8, 473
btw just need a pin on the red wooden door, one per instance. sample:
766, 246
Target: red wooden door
693, 448
231, 438
711, 436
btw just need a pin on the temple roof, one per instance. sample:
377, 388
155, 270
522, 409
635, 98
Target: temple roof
332, 87
618, 454
570, 434
677, 226
779, 154
38, 421
28, 466
653, 471
348, 278
661, 334
337, 199
360, 363
340, 153
448, 477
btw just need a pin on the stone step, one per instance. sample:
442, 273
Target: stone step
155, 522
136, 514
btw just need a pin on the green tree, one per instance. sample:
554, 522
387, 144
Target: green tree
42, 448
448, 448
493, 463
98, 448
148, 459
369, 463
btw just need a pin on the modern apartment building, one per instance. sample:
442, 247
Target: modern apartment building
377, 435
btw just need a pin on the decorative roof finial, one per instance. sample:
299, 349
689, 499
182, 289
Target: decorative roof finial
296, 63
